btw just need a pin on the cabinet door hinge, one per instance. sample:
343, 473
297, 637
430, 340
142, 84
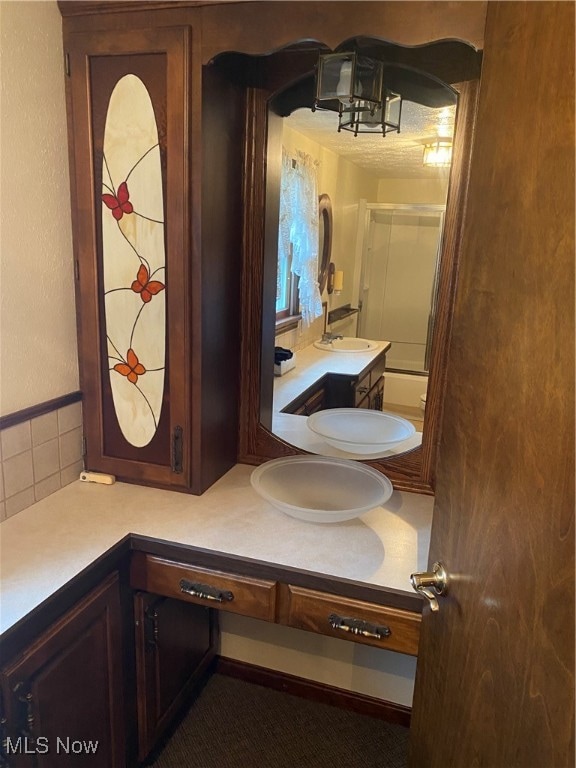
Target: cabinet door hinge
84, 447
67, 64
77, 269
176, 454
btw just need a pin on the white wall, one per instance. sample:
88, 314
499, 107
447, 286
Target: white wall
38, 357
415, 191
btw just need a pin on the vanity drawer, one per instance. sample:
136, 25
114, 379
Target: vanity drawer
204, 586
355, 620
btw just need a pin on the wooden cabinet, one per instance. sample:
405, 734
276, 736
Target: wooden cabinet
157, 277
175, 643
62, 696
77, 691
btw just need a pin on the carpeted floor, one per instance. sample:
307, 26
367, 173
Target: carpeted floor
234, 724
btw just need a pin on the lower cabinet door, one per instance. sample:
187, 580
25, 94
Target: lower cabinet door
62, 696
175, 643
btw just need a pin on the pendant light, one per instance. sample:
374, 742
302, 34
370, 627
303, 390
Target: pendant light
353, 86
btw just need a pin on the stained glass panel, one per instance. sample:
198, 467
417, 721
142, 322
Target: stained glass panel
134, 260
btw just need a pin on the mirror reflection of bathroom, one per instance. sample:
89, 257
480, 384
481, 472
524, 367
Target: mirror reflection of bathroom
388, 198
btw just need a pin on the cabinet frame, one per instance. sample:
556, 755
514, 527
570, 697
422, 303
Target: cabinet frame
203, 190
81, 47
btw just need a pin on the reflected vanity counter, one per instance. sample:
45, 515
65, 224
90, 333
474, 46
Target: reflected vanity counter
312, 365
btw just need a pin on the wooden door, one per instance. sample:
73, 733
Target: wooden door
63, 695
175, 643
128, 118
495, 675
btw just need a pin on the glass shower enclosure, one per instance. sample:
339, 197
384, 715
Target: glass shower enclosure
398, 280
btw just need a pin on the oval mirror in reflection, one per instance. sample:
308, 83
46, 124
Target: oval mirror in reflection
324, 239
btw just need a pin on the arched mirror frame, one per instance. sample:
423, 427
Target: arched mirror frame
413, 470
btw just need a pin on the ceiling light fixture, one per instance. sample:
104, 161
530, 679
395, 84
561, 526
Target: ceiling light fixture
438, 153
353, 86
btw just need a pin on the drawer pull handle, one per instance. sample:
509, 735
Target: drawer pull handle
205, 591
359, 627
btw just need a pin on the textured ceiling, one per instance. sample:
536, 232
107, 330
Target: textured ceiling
396, 155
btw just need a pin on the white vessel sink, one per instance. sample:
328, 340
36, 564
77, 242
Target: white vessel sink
346, 344
320, 489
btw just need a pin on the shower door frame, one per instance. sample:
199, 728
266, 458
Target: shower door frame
365, 235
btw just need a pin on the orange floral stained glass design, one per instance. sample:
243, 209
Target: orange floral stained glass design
132, 368
146, 287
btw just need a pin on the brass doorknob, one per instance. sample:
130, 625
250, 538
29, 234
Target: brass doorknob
431, 585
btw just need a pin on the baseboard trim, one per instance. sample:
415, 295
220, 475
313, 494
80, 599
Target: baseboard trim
314, 691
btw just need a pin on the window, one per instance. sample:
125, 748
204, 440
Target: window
297, 274
287, 303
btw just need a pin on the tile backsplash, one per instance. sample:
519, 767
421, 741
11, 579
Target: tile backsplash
38, 457
301, 337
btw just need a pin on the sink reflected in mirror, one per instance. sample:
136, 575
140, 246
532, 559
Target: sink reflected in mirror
345, 344
359, 430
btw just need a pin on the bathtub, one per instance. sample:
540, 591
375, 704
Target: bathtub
404, 389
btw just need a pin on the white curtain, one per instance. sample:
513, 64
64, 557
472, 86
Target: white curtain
299, 228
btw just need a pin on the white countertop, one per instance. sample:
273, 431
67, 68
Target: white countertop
46, 545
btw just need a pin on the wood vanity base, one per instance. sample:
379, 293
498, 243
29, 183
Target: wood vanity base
155, 639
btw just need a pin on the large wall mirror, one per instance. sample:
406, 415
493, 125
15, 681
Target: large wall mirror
395, 224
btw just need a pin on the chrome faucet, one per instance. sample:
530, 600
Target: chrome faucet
328, 338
